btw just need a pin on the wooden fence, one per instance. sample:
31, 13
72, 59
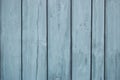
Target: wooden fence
59, 39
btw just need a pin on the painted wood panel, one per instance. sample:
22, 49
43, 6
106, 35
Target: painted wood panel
39, 47
58, 39
81, 30
10, 31
98, 40
34, 40
112, 40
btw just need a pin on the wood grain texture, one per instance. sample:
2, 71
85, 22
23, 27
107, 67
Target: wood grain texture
112, 40
98, 40
34, 40
58, 39
81, 30
46, 43
10, 31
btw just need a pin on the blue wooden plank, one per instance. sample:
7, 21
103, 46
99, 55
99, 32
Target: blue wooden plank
81, 39
42, 59
58, 39
98, 40
112, 40
10, 39
34, 40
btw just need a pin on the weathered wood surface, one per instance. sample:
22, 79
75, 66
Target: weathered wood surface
112, 69
81, 30
34, 40
10, 33
37, 38
58, 39
98, 40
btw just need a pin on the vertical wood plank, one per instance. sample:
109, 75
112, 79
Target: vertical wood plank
98, 40
34, 40
112, 40
81, 39
10, 39
58, 39
42, 59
